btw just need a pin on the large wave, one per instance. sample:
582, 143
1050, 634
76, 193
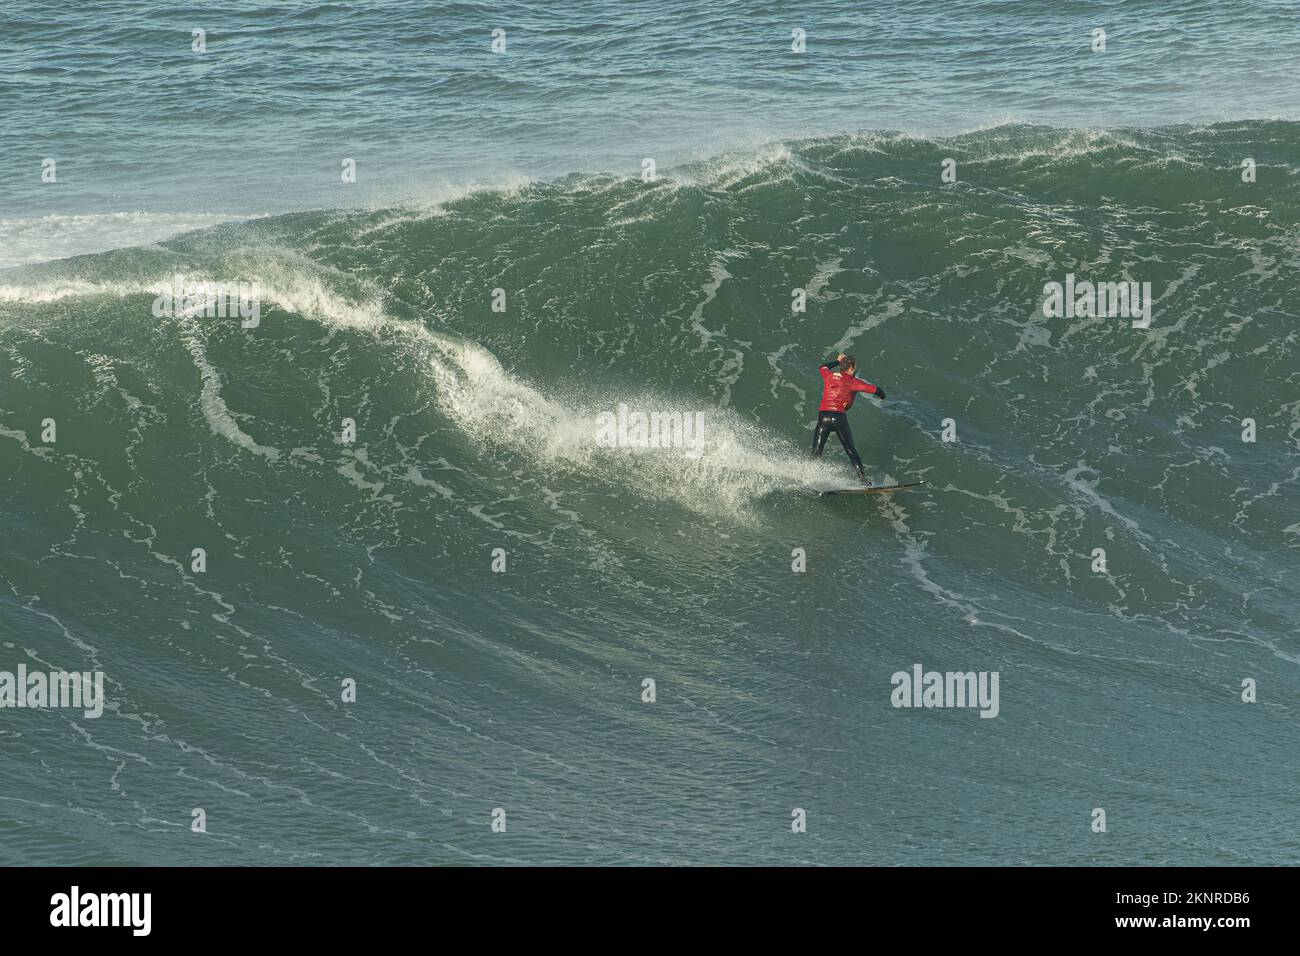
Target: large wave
476, 430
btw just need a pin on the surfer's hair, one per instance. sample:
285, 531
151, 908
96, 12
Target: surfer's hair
850, 363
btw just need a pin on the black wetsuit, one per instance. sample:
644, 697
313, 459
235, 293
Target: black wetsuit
836, 422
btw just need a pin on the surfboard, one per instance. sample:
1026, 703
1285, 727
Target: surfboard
873, 489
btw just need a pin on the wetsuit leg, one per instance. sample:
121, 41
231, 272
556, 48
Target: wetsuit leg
822, 431
846, 439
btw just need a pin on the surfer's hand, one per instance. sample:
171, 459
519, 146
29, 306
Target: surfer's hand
880, 393
840, 357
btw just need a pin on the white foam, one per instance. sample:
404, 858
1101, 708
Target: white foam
45, 238
42, 293
287, 287
737, 462
214, 407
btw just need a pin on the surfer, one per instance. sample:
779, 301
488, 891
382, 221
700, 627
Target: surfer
838, 391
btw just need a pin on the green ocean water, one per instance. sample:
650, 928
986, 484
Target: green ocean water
522, 689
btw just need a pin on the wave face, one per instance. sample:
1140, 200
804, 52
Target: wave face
476, 431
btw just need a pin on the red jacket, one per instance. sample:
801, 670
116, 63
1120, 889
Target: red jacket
840, 388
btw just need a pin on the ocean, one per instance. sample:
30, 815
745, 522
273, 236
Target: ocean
366, 587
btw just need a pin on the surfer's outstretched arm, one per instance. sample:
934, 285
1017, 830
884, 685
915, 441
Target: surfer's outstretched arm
862, 385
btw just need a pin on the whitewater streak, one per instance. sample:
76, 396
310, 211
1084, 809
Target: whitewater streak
739, 462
